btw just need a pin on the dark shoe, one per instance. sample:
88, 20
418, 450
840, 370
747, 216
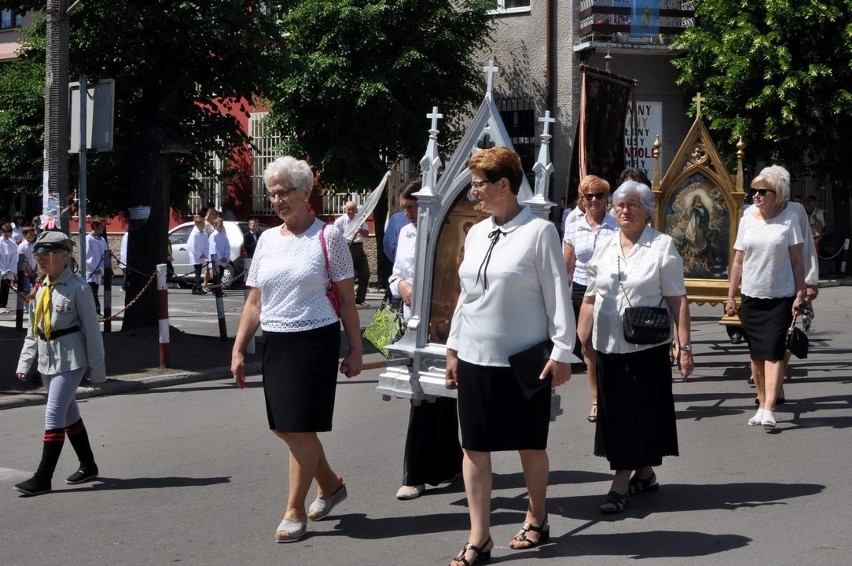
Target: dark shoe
615, 502
637, 486
82, 475
593, 414
481, 555
33, 486
543, 535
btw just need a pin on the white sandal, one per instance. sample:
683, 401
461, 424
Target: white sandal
756, 419
290, 531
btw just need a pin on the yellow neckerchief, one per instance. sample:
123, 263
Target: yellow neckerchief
44, 308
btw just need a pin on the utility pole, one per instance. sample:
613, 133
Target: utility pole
56, 140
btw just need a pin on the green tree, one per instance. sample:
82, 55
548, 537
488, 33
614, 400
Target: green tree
21, 124
779, 74
359, 76
176, 64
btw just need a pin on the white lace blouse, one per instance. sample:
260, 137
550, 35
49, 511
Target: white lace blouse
290, 273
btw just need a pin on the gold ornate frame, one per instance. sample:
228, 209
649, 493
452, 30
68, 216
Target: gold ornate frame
700, 204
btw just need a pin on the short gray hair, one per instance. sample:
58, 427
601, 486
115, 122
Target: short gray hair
628, 188
289, 169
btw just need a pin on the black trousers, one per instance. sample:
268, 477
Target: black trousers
362, 271
433, 453
4, 293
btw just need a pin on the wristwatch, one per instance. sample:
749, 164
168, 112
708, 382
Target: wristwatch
686, 348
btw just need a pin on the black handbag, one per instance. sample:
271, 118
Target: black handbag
645, 325
797, 341
527, 365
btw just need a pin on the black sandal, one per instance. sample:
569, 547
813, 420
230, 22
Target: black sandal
481, 554
615, 502
543, 535
637, 485
593, 414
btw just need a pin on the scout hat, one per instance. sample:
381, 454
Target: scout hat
52, 240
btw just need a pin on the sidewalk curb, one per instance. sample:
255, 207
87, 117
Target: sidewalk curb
118, 387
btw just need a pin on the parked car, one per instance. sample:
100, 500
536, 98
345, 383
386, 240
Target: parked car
231, 274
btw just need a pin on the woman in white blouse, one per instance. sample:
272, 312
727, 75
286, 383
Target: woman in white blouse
514, 294
639, 266
288, 279
594, 227
432, 451
769, 262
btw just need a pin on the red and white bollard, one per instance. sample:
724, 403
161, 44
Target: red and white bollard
163, 314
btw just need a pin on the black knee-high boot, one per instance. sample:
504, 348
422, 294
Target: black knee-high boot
79, 439
52, 448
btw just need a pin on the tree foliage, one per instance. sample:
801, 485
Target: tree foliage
175, 64
779, 74
359, 76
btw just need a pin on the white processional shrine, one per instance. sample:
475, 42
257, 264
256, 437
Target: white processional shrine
416, 368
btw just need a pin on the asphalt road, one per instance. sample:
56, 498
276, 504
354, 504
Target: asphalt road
190, 474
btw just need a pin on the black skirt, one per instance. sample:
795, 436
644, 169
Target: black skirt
493, 414
765, 322
300, 378
636, 416
578, 292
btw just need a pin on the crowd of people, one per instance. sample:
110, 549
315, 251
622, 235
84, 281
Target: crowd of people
531, 305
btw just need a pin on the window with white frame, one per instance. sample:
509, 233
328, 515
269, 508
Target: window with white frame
210, 188
266, 143
510, 6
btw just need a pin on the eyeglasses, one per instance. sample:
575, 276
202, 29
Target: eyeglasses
592, 196
477, 185
282, 194
761, 192
44, 255
628, 205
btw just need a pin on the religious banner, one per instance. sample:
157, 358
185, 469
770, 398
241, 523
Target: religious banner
599, 144
645, 18
642, 124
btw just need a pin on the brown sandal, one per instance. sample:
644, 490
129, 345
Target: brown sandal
543, 535
482, 555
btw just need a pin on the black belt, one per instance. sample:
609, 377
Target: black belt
54, 334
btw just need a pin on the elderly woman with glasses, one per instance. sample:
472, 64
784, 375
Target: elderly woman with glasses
769, 270
288, 284
514, 294
638, 267
594, 227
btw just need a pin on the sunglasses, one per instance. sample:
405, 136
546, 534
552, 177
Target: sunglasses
761, 192
592, 196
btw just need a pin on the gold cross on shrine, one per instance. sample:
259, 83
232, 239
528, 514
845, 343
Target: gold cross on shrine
698, 99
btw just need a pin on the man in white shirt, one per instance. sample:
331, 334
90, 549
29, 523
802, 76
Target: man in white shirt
8, 265
96, 245
220, 248
356, 248
25, 251
198, 248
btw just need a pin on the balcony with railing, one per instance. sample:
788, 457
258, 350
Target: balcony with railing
642, 24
